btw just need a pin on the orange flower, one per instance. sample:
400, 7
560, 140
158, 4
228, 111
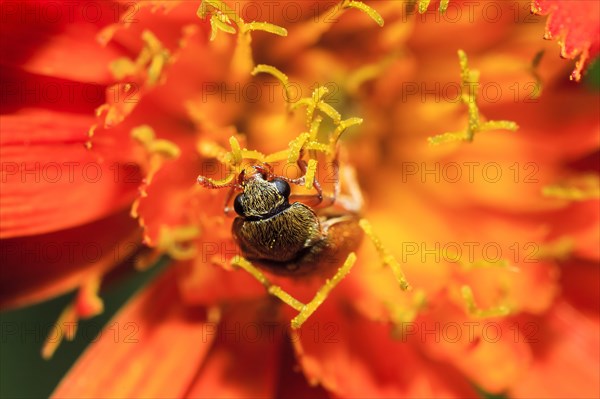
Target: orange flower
480, 174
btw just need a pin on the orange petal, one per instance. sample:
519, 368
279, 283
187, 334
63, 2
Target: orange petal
567, 358
50, 181
352, 357
173, 185
152, 348
243, 361
514, 286
42, 266
484, 350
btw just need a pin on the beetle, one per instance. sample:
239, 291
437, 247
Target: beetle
290, 237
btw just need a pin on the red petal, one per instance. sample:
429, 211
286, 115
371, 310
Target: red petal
292, 383
243, 361
576, 278
577, 24
58, 39
152, 348
29, 90
40, 267
207, 283
50, 181
579, 221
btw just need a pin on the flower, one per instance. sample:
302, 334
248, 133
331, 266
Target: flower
495, 227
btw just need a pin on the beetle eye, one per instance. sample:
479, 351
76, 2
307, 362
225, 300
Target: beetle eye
282, 187
238, 206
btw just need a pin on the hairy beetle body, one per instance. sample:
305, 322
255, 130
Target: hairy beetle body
290, 239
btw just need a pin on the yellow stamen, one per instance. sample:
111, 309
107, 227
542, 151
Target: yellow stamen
86, 304
314, 128
221, 18
323, 292
313, 102
144, 134
236, 151
580, 188
177, 242
423, 5
498, 125
210, 149
152, 59
277, 156
272, 289
400, 314
220, 22
329, 111
470, 84
306, 310
158, 149
66, 324
165, 148
265, 27
444, 5
313, 145
277, 74
560, 249
341, 128
475, 311
367, 73
386, 257
295, 147
359, 5
483, 264
447, 137
310, 174
253, 154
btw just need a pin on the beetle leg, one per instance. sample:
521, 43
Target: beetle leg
386, 258
307, 310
